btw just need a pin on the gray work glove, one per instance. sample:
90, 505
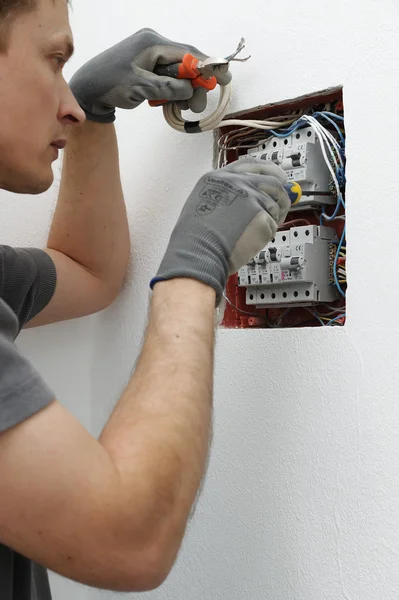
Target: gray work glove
123, 77
228, 218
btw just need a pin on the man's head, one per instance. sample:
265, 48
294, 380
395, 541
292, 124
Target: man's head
36, 104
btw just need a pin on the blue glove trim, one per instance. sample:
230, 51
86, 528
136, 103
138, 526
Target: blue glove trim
155, 280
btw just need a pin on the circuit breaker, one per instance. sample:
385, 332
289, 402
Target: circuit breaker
295, 269
299, 278
301, 157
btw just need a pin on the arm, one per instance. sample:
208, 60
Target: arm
89, 237
89, 240
112, 513
120, 527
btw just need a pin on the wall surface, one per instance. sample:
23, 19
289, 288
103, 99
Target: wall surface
301, 498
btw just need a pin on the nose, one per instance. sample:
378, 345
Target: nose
69, 112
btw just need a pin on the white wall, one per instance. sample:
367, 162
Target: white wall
300, 501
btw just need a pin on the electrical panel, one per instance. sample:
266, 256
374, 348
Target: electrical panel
294, 269
300, 155
299, 278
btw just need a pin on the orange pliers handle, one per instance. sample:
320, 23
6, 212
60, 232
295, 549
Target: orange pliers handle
187, 69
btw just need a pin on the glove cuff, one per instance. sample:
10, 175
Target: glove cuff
199, 257
108, 118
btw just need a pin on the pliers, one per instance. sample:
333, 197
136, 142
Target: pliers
200, 72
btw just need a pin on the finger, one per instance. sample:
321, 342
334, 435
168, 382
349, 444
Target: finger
259, 233
198, 101
183, 104
168, 54
280, 197
155, 87
257, 165
223, 74
271, 194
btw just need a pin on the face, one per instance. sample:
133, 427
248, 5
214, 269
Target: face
36, 104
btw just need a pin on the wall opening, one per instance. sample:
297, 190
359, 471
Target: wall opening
299, 278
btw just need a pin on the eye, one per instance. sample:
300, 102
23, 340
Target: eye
59, 61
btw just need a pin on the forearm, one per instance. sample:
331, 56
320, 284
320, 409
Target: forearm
158, 435
90, 224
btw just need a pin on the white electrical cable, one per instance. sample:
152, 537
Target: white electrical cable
172, 114
321, 131
330, 137
173, 117
323, 150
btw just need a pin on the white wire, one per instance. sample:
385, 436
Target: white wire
264, 125
172, 113
331, 138
173, 117
322, 146
321, 131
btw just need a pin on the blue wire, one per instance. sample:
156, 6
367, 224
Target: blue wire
330, 114
336, 262
324, 115
284, 132
339, 202
315, 316
340, 173
336, 318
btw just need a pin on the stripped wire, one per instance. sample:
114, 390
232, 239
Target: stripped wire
244, 312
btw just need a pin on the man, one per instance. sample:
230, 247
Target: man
109, 513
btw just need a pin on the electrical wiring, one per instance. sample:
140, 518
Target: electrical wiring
327, 137
244, 312
337, 283
334, 308
315, 315
328, 315
276, 324
335, 213
341, 316
323, 150
254, 135
294, 223
333, 115
324, 115
325, 321
173, 116
263, 125
342, 217
248, 137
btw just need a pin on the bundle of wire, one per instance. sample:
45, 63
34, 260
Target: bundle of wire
251, 135
173, 116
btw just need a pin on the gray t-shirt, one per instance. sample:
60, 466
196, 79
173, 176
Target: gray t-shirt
27, 284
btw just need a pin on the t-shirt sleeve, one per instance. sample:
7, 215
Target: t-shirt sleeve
27, 281
27, 284
22, 391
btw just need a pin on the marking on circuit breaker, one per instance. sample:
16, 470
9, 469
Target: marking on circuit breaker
299, 273
301, 157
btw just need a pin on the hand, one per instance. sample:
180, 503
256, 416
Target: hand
229, 217
123, 77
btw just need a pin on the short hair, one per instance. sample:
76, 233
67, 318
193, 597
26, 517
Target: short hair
9, 10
